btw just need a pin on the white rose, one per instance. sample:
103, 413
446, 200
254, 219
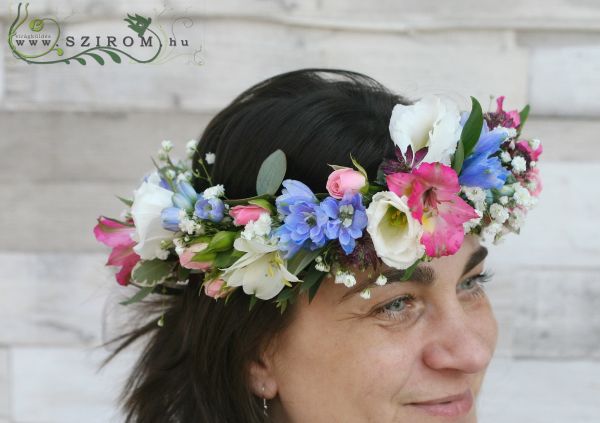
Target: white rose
260, 272
395, 233
431, 122
148, 202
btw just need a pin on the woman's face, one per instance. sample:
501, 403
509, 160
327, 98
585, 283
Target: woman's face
416, 351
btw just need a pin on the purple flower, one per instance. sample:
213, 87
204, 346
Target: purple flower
211, 209
480, 168
347, 219
294, 192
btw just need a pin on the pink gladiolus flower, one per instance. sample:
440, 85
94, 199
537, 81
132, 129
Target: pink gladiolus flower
244, 214
344, 180
432, 191
185, 258
213, 288
118, 236
527, 149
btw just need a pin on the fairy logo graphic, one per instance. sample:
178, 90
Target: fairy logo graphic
40, 45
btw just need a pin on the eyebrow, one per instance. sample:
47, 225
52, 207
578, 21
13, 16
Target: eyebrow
422, 275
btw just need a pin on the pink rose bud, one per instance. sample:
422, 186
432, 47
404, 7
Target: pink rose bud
344, 180
185, 258
244, 214
213, 288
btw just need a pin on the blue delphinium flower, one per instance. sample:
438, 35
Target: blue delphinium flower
293, 192
185, 197
302, 228
479, 168
170, 218
347, 219
212, 209
303, 219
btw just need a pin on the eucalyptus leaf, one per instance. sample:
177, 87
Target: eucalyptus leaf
151, 272
139, 296
271, 173
472, 129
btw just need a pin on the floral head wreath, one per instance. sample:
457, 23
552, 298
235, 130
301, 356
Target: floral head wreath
454, 173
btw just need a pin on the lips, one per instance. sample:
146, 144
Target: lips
451, 406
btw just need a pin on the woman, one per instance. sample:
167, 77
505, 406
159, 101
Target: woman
394, 327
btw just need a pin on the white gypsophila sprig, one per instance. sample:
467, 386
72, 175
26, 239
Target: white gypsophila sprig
321, 266
210, 158
365, 294
259, 228
477, 196
190, 226
519, 165
505, 157
190, 148
498, 213
381, 280
345, 277
166, 146
473, 223
522, 196
214, 192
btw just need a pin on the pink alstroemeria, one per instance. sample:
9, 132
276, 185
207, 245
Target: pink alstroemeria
510, 119
432, 190
532, 153
118, 236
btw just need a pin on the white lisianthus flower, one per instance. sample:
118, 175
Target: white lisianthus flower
148, 202
395, 233
214, 192
432, 122
261, 271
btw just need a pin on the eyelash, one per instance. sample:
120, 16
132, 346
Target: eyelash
408, 299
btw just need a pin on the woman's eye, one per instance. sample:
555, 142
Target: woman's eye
397, 309
474, 284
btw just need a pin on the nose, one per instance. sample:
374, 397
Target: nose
460, 341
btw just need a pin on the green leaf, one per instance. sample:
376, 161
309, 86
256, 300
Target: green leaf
459, 157
311, 282
125, 201
139, 296
410, 270
80, 60
204, 256
301, 259
97, 58
183, 273
271, 173
523, 115
116, 58
261, 202
472, 129
359, 167
253, 300
226, 259
152, 272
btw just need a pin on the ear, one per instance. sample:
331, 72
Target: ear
262, 379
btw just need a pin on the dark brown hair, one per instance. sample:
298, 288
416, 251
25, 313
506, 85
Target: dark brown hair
194, 368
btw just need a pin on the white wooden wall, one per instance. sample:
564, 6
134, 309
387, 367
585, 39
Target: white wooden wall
72, 137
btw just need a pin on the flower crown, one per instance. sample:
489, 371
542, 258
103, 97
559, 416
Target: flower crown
454, 173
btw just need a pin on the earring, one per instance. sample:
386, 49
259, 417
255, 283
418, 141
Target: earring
265, 407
